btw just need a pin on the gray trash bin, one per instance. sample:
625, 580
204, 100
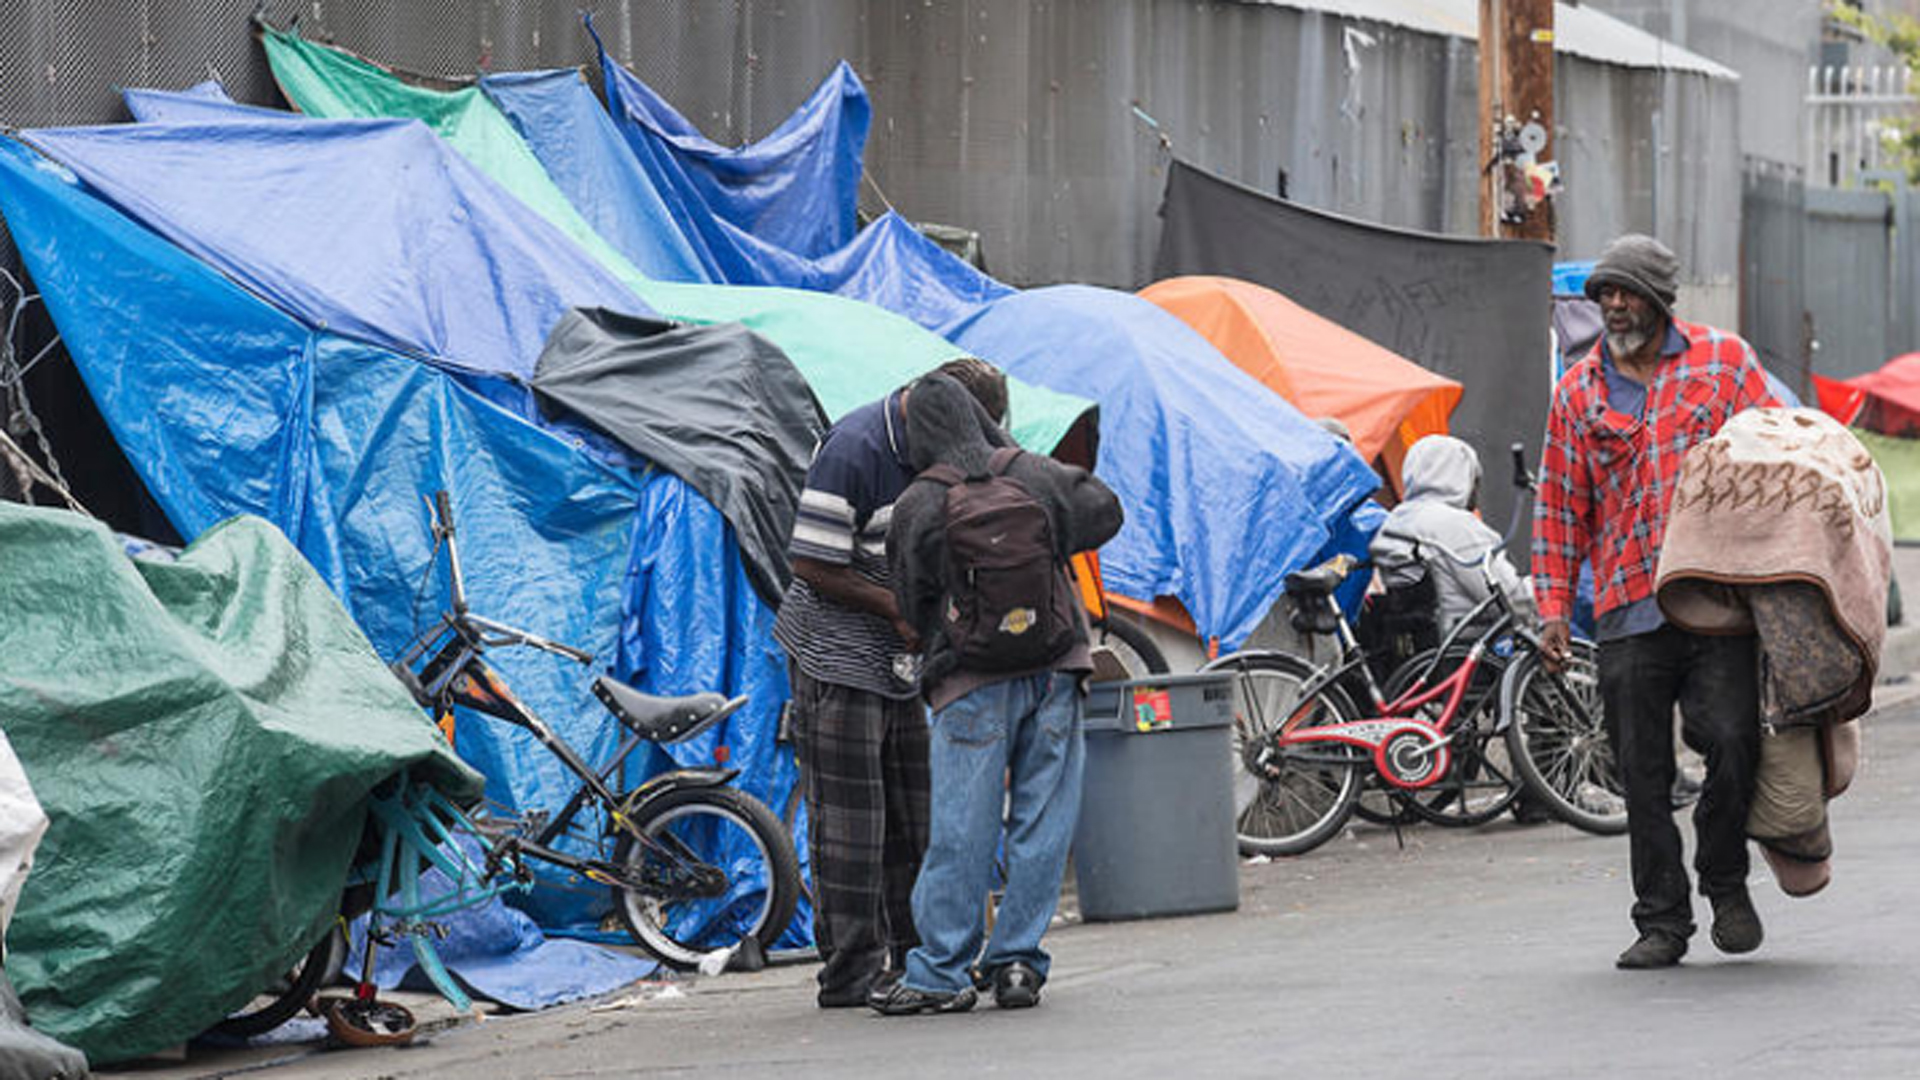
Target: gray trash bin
1156, 817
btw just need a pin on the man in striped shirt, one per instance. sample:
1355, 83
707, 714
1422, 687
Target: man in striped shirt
858, 722
1619, 429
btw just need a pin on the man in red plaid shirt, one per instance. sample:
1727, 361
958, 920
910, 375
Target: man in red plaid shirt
1621, 424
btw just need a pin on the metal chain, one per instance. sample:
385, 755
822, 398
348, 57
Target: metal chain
21, 419
28, 473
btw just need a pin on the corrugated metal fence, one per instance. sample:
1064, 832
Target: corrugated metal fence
1022, 119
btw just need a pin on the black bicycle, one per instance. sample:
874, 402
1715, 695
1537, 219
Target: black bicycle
694, 863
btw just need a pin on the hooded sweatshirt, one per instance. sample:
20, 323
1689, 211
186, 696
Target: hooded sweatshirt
1432, 528
945, 425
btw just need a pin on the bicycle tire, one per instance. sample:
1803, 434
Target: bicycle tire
1307, 803
1146, 658
278, 1003
1564, 754
1481, 780
681, 935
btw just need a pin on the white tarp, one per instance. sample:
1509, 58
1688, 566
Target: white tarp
22, 823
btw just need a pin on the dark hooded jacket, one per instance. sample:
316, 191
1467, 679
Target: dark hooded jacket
945, 425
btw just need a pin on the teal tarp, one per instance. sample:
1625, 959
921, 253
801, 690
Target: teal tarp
203, 734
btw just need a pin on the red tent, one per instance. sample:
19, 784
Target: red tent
1886, 401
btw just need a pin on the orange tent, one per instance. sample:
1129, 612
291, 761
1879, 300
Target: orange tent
1321, 367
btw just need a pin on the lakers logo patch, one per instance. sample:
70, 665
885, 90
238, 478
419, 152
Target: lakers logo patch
1018, 621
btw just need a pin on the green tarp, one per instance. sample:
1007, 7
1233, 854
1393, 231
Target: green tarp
203, 734
850, 352
1899, 461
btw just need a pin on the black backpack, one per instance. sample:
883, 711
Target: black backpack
1008, 606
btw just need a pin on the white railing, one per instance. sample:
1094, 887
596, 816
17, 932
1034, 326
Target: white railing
1847, 113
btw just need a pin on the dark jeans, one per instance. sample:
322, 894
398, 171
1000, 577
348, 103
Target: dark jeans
1716, 683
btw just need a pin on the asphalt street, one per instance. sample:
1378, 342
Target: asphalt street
1478, 953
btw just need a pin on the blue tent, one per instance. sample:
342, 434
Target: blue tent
225, 404
1227, 488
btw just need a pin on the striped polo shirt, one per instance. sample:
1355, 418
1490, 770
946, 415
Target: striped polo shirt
859, 469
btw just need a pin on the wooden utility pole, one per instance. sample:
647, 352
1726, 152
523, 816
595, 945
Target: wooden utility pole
1516, 111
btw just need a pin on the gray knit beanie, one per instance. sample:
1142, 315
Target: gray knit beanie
1640, 263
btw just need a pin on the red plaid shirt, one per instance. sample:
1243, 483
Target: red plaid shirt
1606, 478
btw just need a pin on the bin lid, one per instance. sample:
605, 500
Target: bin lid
1161, 703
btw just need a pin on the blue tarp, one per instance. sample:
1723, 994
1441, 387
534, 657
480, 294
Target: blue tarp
563, 123
598, 163
351, 203
1570, 278
1226, 486
796, 189
205, 102
340, 438
226, 406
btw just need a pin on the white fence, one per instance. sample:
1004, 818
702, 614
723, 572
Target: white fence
1848, 109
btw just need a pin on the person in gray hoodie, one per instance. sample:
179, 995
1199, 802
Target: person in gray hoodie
1001, 739
1435, 532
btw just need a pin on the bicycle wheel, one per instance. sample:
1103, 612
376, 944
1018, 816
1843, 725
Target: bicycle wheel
1309, 793
1481, 780
718, 867
277, 1004
1134, 646
1557, 735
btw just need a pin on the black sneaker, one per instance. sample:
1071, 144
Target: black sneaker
1736, 926
1016, 986
1655, 949
903, 1000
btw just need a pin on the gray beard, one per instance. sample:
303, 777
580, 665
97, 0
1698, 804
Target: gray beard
1628, 343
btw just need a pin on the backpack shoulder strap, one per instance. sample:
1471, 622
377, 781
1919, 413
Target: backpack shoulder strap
1002, 459
943, 474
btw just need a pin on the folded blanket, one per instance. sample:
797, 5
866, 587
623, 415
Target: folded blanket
1779, 527
1785, 496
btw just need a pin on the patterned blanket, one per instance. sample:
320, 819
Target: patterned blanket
1779, 527
1778, 498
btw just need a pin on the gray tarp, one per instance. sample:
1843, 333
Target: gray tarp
1577, 321
26, 1054
718, 406
1473, 310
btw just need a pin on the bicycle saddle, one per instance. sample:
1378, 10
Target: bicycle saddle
1320, 579
1323, 578
662, 719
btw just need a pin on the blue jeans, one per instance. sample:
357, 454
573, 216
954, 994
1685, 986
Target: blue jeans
1016, 747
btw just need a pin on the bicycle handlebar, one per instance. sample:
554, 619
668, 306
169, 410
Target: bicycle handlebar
485, 630
1521, 477
502, 634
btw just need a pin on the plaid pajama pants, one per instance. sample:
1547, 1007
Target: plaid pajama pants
865, 763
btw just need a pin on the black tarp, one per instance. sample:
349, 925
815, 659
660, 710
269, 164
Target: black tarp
718, 406
1473, 310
